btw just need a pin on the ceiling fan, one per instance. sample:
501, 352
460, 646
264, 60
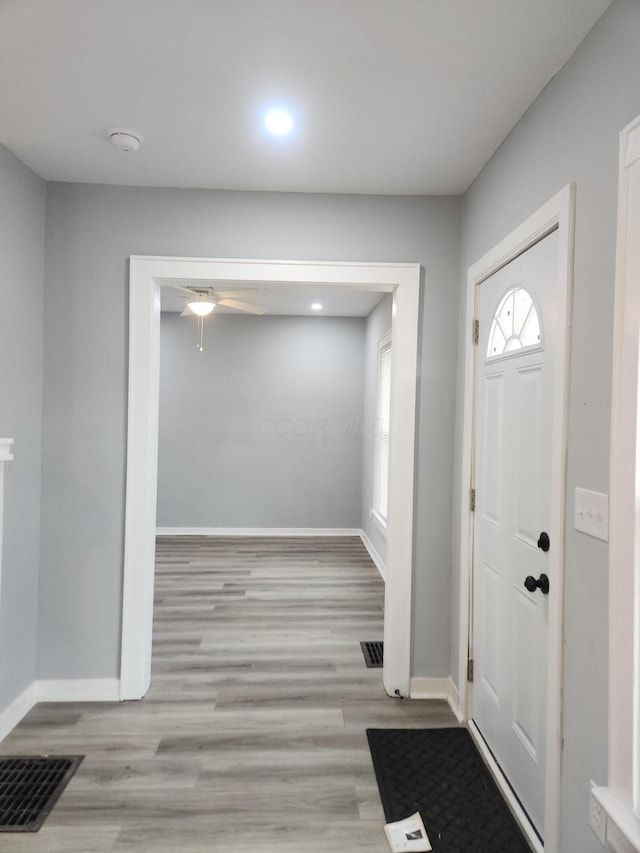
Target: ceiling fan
202, 300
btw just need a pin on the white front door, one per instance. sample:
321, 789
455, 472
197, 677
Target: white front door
514, 394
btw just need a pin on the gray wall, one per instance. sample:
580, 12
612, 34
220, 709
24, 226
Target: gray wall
264, 427
91, 231
378, 324
571, 134
21, 258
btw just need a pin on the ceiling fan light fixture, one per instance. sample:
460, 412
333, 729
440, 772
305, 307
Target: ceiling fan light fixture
202, 305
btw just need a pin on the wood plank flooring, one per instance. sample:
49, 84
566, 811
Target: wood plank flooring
252, 736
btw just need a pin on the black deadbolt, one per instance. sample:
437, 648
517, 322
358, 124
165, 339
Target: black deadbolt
542, 583
543, 542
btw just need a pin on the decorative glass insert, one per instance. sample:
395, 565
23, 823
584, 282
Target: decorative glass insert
516, 324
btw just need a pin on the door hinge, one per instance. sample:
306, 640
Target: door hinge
472, 500
476, 331
470, 670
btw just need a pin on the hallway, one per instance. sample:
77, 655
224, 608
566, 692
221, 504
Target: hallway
252, 736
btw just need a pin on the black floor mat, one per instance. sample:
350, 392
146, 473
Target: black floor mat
29, 788
440, 773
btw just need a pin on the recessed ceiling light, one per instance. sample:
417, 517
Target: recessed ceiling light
278, 122
316, 306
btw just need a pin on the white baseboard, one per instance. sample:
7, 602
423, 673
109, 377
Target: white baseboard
57, 690
78, 690
19, 708
437, 688
377, 559
429, 688
257, 531
454, 701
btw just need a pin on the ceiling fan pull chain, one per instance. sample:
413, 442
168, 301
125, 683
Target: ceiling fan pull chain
201, 325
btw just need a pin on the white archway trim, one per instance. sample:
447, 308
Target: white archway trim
146, 275
557, 214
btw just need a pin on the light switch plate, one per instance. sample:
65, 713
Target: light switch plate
592, 513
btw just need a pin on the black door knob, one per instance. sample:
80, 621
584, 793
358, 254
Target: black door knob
543, 542
542, 584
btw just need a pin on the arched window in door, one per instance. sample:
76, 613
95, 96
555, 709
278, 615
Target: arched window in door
516, 324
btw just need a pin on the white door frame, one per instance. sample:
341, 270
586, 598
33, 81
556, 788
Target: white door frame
620, 798
146, 275
557, 213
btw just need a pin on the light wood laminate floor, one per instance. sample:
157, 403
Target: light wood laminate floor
252, 736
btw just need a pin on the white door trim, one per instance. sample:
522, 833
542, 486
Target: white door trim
620, 798
146, 275
6, 455
557, 213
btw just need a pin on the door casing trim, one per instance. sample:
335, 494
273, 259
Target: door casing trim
146, 276
557, 214
620, 798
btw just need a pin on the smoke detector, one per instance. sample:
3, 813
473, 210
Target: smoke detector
125, 140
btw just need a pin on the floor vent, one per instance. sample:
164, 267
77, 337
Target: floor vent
29, 788
372, 653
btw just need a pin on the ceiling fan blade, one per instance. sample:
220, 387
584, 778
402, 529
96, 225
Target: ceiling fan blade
242, 306
231, 294
187, 312
188, 291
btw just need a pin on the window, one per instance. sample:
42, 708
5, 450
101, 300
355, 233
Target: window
382, 430
515, 326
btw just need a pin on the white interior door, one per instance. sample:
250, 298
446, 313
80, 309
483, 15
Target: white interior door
514, 396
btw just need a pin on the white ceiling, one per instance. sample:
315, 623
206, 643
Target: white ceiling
388, 96
292, 299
